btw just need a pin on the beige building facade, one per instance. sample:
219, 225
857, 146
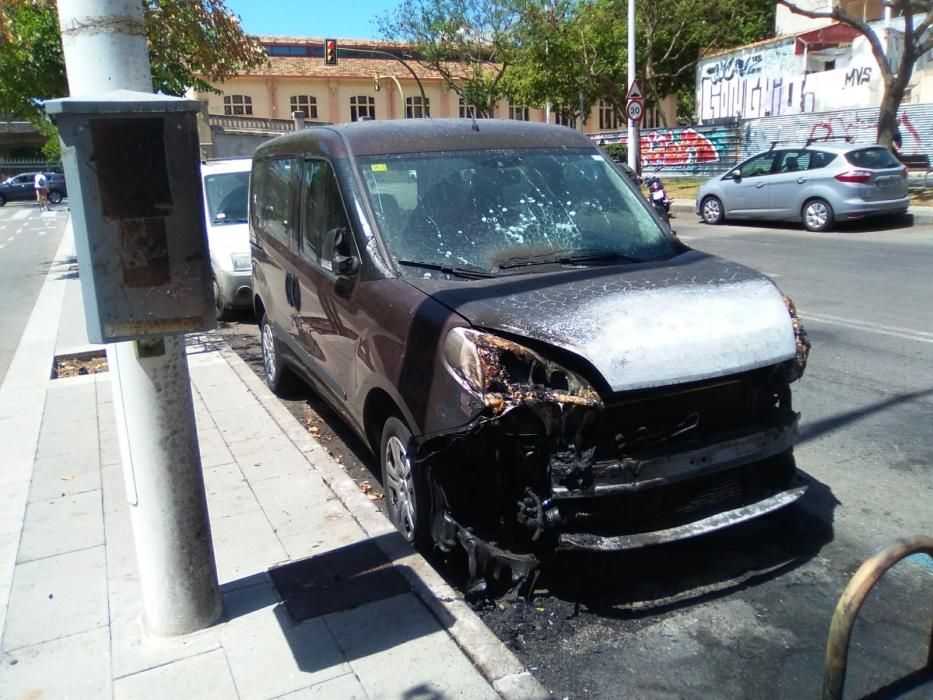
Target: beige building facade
367, 84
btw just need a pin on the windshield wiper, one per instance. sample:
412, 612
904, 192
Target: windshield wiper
471, 272
564, 257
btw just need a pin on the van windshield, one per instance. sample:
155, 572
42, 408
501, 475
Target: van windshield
494, 210
227, 197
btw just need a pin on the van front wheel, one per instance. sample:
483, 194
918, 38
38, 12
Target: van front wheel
404, 488
275, 371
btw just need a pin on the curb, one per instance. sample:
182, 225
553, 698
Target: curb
498, 665
921, 215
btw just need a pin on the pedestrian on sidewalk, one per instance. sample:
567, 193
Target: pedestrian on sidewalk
42, 191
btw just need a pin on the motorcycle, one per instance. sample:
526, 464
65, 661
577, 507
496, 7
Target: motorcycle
657, 196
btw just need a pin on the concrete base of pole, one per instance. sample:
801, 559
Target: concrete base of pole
164, 484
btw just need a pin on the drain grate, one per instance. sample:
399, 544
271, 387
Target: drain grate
342, 579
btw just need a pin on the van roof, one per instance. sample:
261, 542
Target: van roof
427, 135
227, 165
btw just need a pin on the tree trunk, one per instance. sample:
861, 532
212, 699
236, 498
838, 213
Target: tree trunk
890, 102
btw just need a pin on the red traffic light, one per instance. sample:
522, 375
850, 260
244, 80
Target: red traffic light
330, 52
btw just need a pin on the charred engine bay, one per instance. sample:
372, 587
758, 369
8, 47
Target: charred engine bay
534, 467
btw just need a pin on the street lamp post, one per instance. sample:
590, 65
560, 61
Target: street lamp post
424, 99
401, 92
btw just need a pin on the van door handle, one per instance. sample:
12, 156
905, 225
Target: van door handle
760, 185
801, 180
296, 293
288, 288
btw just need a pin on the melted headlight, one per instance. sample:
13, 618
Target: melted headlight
504, 373
800, 338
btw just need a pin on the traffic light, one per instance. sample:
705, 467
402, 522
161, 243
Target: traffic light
330, 52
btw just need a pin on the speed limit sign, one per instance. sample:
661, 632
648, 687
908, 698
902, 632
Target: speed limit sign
634, 110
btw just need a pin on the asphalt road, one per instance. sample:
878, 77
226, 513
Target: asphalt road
745, 613
28, 241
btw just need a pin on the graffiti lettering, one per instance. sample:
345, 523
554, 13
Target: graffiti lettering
734, 66
858, 76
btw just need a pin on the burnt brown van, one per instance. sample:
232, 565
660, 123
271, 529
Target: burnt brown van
536, 361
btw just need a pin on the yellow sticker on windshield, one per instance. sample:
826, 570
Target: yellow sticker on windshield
378, 167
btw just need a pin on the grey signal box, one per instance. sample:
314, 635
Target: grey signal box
133, 171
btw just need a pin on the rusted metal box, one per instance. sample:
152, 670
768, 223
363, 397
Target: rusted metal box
131, 160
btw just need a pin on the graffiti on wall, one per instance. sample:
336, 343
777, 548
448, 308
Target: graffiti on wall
772, 80
859, 125
686, 150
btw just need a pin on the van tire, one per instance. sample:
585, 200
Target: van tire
221, 310
274, 369
403, 484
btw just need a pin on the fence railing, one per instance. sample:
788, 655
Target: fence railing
11, 167
242, 123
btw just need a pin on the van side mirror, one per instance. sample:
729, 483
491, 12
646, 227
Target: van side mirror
333, 253
736, 174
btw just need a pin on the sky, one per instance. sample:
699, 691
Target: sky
346, 19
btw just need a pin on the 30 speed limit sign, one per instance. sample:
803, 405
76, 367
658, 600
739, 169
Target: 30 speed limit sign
634, 109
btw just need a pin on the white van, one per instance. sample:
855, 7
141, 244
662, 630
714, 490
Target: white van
226, 198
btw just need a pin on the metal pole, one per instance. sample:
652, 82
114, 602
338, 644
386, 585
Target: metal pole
401, 92
632, 146
104, 44
424, 99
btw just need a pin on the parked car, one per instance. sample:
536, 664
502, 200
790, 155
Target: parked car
536, 362
22, 188
226, 201
818, 185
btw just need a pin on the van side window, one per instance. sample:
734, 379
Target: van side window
323, 208
270, 211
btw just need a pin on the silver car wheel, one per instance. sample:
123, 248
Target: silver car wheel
400, 487
268, 352
712, 210
816, 215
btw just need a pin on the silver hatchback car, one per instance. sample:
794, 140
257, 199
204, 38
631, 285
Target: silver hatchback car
818, 184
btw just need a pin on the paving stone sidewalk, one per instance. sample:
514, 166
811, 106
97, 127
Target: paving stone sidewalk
70, 598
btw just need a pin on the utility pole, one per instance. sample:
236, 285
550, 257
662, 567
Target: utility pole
105, 49
632, 132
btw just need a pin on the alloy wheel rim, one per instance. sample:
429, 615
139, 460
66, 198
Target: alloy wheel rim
711, 210
400, 486
816, 214
268, 351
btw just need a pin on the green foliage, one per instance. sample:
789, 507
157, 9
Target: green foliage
470, 43
52, 149
616, 151
190, 44
565, 52
31, 63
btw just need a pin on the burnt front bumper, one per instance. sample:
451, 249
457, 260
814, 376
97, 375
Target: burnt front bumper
711, 523
665, 497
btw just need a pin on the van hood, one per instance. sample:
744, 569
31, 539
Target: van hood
654, 324
226, 240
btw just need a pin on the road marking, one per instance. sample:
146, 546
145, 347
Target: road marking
21, 214
772, 275
42, 233
876, 328
2, 245
11, 237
